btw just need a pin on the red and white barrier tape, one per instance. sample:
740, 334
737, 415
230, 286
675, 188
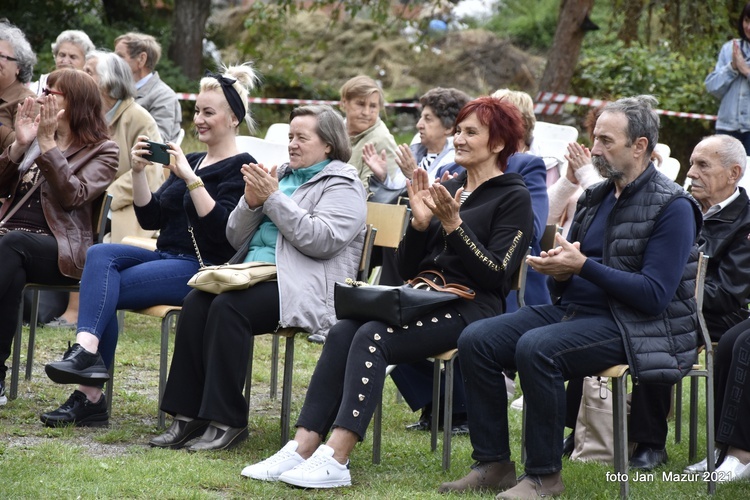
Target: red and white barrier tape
278, 100
548, 103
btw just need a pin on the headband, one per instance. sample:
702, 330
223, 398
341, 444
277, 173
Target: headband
231, 94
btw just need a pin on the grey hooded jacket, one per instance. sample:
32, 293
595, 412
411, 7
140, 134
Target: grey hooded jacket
321, 234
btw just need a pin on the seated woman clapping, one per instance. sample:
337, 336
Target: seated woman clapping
475, 230
59, 162
201, 191
307, 216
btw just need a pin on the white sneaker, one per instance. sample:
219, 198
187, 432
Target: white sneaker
271, 468
701, 466
517, 404
3, 398
732, 469
321, 470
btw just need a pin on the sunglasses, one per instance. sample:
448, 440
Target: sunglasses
8, 58
47, 91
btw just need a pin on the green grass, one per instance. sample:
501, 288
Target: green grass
116, 462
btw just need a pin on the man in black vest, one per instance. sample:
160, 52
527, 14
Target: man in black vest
716, 167
624, 287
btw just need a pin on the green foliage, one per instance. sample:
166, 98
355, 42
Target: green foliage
530, 24
675, 78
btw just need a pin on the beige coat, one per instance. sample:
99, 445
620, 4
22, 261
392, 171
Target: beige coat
130, 121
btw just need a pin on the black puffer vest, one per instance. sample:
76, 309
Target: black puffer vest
661, 348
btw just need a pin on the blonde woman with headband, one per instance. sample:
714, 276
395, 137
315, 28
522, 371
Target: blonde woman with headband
200, 193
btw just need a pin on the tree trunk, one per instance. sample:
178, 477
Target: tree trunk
629, 30
188, 28
566, 46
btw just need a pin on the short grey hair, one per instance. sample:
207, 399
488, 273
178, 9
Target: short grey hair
331, 129
643, 121
731, 152
115, 76
76, 37
26, 59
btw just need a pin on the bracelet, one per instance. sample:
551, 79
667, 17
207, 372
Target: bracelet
195, 184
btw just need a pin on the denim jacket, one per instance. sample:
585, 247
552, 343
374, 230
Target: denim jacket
733, 89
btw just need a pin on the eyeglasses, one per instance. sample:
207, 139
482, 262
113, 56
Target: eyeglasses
8, 58
47, 91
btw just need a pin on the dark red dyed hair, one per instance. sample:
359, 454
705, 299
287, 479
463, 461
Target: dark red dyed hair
503, 120
84, 105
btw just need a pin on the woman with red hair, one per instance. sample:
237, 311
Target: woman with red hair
59, 163
473, 229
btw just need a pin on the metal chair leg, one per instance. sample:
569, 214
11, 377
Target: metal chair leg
286, 391
249, 376
448, 413
435, 404
32, 332
693, 432
274, 382
163, 361
110, 386
13, 393
620, 423
678, 412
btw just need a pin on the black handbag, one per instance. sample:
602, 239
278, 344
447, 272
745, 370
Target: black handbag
379, 193
396, 305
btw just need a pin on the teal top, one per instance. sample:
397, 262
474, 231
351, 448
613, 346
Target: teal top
262, 246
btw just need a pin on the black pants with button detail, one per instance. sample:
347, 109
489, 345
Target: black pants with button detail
350, 373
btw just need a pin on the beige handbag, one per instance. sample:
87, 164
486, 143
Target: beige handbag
228, 277
594, 436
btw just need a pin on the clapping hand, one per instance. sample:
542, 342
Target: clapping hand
428, 200
27, 123
377, 162
561, 262
406, 161
260, 183
577, 157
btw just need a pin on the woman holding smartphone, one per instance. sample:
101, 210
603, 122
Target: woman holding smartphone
200, 193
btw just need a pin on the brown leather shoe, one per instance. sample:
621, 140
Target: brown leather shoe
484, 476
548, 485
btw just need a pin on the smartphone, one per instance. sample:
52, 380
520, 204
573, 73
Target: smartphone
159, 152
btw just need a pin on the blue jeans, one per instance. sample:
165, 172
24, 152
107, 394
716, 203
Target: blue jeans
127, 277
547, 345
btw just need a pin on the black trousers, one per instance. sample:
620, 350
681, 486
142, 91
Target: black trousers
25, 258
212, 347
649, 408
349, 377
732, 385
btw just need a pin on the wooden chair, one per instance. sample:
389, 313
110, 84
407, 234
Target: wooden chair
100, 210
444, 361
618, 374
391, 221
289, 334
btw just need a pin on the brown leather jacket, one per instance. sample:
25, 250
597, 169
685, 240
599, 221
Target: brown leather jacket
72, 182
